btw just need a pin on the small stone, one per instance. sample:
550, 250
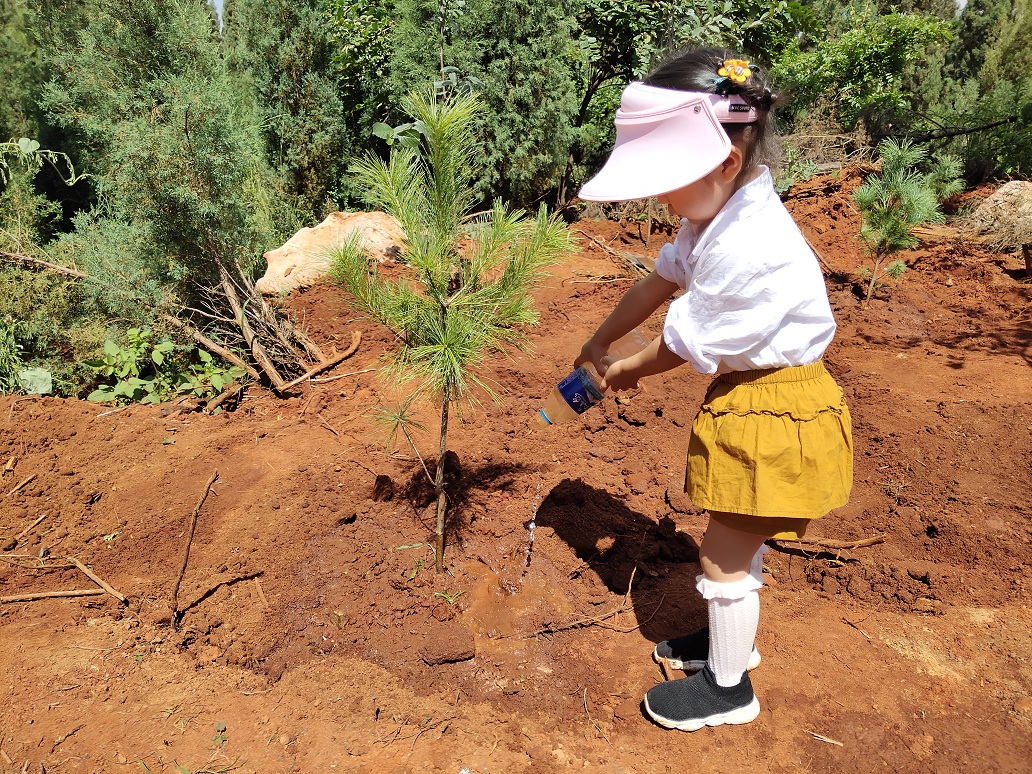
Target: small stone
285, 739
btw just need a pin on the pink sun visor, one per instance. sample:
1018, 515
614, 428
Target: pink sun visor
665, 139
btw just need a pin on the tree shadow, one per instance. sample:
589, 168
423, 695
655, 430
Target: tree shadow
616, 544
463, 482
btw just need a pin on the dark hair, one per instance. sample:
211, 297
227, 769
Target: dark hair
695, 69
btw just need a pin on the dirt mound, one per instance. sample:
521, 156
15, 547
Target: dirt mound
316, 636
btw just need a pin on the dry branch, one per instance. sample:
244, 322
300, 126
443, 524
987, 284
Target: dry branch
258, 351
52, 594
46, 264
356, 339
96, 579
230, 392
830, 545
23, 483
625, 259
186, 556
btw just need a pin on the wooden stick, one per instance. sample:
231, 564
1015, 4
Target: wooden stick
342, 376
93, 577
50, 594
833, 545
10, 544
328, 427
230, 392
356, 339
23, 483
9, 467
186, 555
46, 264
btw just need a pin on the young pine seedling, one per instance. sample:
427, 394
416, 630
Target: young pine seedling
893, 203
468, 293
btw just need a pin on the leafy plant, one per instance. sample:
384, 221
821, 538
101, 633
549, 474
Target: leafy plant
219, 737
899, 199
794, 170
147, 372
469, 293
860, 72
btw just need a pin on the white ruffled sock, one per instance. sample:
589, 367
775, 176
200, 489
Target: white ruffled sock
734, 614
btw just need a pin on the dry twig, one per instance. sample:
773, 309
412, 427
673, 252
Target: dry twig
822, 738
33, 596
356, 339
828, 545
65, 736
186, 556
96, 579
23, 483
626, 259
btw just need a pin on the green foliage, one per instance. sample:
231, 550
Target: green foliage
469, 296
523, 55
145, 371
285, 48
794, 170
175, 148
897, 200
859, 74
10, 355
20, 70
976, 100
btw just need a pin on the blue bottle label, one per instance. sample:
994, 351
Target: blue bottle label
580, 391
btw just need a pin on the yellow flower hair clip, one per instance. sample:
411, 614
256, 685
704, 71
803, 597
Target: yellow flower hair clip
736, 69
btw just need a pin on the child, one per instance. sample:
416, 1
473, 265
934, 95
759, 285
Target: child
771, 446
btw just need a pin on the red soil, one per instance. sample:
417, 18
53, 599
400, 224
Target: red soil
316, 635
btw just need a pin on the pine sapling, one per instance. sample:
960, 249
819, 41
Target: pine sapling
468, 297
896, 201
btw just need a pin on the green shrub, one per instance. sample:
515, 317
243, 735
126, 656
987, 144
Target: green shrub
859, 74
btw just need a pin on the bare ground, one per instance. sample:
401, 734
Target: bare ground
317, 637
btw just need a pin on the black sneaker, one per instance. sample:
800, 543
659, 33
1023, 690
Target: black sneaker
695, 701
691, 652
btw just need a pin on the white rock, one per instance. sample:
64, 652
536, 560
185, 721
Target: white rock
303, 260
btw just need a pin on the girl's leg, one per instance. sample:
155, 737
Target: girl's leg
722, 692
732, 573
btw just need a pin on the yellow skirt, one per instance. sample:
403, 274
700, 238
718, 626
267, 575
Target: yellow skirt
771, 444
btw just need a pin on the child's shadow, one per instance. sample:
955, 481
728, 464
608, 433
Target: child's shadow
613, 543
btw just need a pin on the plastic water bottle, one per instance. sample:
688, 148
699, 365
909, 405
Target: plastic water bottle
582, 389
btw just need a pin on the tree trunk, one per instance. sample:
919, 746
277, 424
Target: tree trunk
442, 496
1026, 250
874, 278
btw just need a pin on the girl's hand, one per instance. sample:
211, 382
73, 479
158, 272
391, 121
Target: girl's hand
595, 353
618, 375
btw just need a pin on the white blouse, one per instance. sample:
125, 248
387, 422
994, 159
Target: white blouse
754, 296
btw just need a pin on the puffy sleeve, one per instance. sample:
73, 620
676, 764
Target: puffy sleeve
738, 314
674, 261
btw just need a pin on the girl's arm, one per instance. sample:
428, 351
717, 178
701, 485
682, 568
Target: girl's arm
638, 303
654, 359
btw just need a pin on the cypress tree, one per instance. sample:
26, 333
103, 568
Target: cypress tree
284, 47
523, 54
173, 143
